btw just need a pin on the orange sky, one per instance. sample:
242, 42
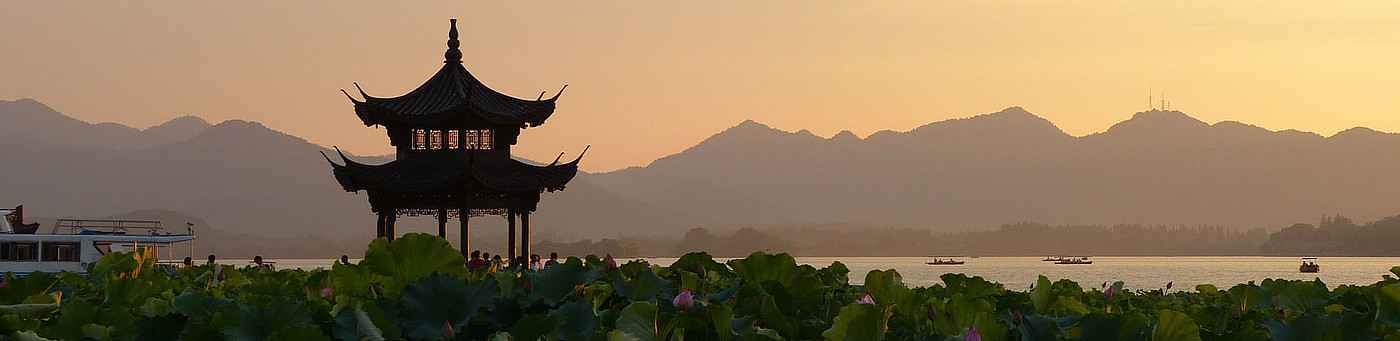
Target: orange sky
651, 78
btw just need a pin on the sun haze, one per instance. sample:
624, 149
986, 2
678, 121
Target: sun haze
651, 78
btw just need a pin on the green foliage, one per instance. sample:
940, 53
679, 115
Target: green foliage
638, 321
858, 322
434, 301
1388, 304
1175, 326
416, 288
410, 257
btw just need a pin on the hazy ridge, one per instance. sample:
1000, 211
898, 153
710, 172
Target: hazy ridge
1159, 167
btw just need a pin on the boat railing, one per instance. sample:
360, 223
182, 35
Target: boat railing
113, 226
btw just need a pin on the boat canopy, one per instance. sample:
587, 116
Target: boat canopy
5, 223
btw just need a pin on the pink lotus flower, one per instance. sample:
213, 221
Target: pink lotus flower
447, 332
972, 334
612, 263
1110, 292
866, 300
684, 300
327, 292
5, 283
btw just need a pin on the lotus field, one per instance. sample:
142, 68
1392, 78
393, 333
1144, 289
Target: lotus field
416, 288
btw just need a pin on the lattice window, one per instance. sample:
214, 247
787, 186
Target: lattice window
419, 139
435, 139
454, 139
480, 139
487, 140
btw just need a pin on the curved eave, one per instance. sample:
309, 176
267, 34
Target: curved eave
511, 175
501, 175
452, 91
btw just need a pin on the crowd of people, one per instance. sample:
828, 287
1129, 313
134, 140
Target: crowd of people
486, 261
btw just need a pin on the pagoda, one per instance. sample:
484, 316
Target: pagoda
452, 138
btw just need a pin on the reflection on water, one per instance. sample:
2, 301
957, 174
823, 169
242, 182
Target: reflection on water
1137, 272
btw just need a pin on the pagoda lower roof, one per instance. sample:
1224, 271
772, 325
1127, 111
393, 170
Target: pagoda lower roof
428, 175
447, 95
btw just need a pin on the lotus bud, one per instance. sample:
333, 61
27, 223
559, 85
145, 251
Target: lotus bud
972, 334
684, 300
1169, 285
447, 332
932, 312
1016, 315
5, 283
612, 263
866, 300
1109, 293
327, 292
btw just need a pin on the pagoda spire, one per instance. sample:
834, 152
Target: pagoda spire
453, 55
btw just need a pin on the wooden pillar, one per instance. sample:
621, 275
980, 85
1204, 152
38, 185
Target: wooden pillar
525, 236
389, 229
379, 221
510, 236
465, 244
442, 223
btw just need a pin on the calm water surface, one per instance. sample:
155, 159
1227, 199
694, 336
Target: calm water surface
1018, 273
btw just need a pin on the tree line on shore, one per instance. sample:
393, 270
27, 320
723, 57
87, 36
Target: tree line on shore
1332, 236
1337, 236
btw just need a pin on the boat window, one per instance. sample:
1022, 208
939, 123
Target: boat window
61, 252
19, 252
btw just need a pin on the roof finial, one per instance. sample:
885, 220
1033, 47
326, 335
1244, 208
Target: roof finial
453, 55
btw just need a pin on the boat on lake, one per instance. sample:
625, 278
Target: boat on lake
1053, 259
74, 245
944, 261
1074, 261
1309, 265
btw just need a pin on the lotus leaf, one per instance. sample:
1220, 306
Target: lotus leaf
1175, 326
858, 322
410, 257
437, 299
638, 321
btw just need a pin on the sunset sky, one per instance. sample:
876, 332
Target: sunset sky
650, 78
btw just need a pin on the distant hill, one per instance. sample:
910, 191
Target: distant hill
244, 179
35, 123
259, 188
1009, 166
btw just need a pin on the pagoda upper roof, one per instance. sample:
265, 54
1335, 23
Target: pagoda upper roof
424, 175
451, 92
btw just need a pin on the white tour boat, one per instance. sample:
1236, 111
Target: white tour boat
74, 245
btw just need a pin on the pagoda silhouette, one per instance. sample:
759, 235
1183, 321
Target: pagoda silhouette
452, 138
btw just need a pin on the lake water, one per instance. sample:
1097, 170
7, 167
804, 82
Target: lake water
1018, 273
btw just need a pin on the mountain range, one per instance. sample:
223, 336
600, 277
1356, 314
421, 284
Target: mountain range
1009, 166
257, 188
